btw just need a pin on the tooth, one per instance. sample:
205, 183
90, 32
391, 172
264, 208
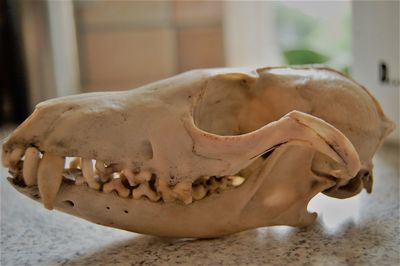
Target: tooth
49, 178
183, 191
236, 180
75, 163
143, 176
88, 174
15, 156
137, 178
214, 185
199, 192
117, 185
30, 167
145, 190
164, 189
130, 176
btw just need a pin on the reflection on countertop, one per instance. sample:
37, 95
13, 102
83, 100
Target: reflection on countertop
357, 231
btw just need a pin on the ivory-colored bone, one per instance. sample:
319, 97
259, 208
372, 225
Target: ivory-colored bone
145, 190
49, 178
30, 167
282, 129
88, 174
116, 185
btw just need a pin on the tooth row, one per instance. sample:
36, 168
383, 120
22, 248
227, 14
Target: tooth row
48, 170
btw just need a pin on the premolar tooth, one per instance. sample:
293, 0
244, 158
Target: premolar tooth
137, 178
183, 191
116, 185
49, 178
236, 180
164, 189
88, 174
30, 167
199, 192
145, 190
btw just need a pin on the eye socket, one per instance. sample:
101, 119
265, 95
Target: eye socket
107, 207
125, 211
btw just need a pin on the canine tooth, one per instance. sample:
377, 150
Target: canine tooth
183, 191
49, 178
236, 180
88, 174
30, 167
199, 192
116, 185
75, 163
145, 190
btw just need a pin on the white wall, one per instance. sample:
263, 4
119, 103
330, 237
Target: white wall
249, 34
376, 38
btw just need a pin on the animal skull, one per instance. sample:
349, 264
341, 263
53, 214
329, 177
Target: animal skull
202, 154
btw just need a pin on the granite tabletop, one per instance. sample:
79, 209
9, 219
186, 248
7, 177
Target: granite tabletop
363, 230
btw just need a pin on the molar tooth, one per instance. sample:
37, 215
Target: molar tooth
88, 174
49, 178
199, 192
30, 166
145, 190
236, 180
183, 191
116, 185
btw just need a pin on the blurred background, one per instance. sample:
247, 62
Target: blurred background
57, 48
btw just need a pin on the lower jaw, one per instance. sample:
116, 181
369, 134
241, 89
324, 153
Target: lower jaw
201, 219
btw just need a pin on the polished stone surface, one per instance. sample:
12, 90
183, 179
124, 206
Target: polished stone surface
363, 230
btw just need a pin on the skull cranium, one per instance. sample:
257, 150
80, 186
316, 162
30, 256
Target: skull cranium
202, 154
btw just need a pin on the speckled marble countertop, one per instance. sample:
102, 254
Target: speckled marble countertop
364, 230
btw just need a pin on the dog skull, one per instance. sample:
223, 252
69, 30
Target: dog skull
202, 154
